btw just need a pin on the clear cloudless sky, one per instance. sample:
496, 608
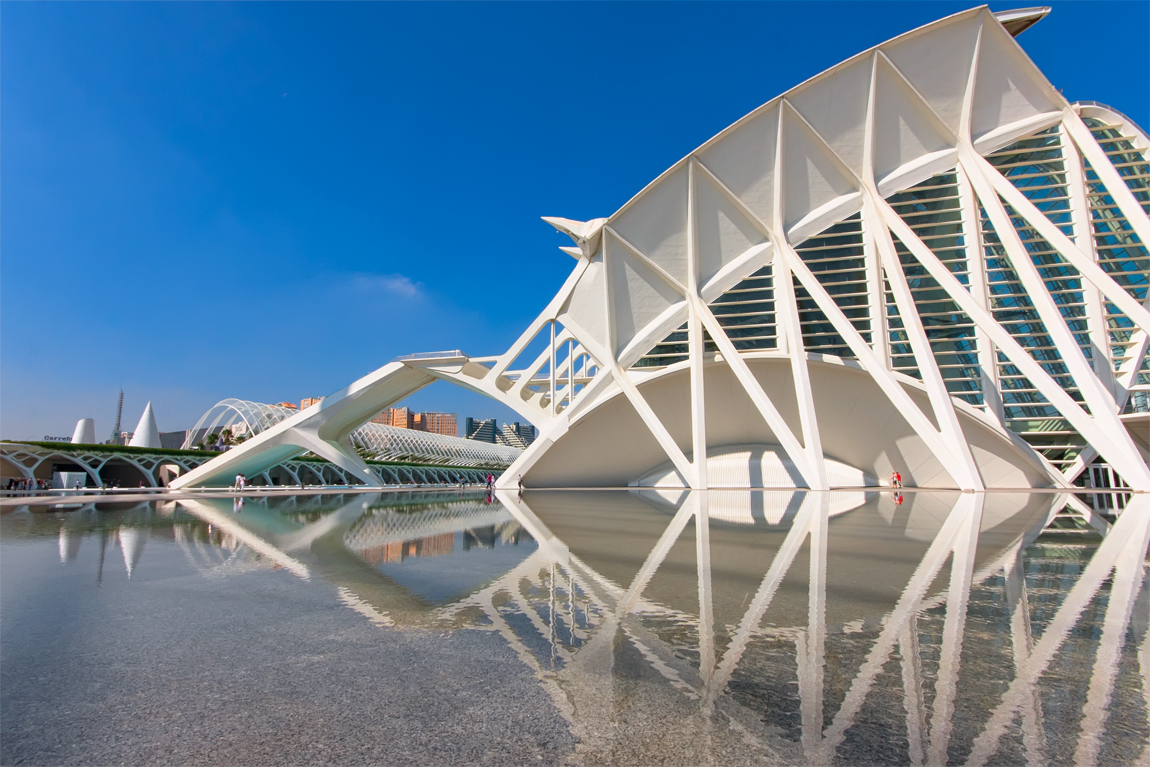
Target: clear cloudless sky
269, 200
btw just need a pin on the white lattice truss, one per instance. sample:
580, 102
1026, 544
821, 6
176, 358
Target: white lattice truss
28, 459
930, 216
372, 440
158, 469
577, 614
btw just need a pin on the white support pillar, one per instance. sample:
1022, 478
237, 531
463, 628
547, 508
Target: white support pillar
554, 399
787, 314
1103, 409
1054, 393
656, 427
1082, 224
696, 347
1066, 247
570, 372
885, 380
940, 398
1108, 174
876, 295
754, 390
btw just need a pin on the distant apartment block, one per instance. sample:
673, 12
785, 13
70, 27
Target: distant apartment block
430, 546
288, 405
405, 418
399, 417
518, 435
309, 401
438, 423
480, 430
513, 434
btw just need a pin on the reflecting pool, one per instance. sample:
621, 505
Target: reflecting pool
627, 627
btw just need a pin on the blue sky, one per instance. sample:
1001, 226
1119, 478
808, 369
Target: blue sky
267, 201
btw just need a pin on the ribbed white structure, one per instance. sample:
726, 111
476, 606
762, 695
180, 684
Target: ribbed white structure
923, 259
371, 440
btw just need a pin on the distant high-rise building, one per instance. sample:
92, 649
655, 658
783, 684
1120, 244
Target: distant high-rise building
517, 435
309, 401
480, 430
437, 423
399, 417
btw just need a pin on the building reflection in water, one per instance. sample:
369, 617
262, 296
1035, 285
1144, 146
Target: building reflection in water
736, 625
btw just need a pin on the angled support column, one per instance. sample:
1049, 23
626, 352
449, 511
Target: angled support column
697, 348
763, 403
980, 289
656, 427
940, 398
1050, 389
1103, 409
1082, 224
890, 387
1108, 174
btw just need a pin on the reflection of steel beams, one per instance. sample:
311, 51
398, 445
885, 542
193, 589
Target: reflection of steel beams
912, 693
958, 596
940, 549
553, 586
1022, 641
215, 517
1125, 544
1126, 580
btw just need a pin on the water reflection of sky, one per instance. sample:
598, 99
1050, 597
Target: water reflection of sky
730, 626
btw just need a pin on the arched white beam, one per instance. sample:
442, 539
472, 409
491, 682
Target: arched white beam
323, 429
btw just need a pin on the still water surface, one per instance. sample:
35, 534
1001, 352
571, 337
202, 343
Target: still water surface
633, 627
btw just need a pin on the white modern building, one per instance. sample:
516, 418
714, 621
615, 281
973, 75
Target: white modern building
923, 259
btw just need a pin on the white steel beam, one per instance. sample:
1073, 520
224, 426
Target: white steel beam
696, 347
885, 380
1054, 393
1108, 174
940, 399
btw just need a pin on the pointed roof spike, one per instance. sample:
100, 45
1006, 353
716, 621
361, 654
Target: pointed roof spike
1019, 20
146, 435
586, 234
